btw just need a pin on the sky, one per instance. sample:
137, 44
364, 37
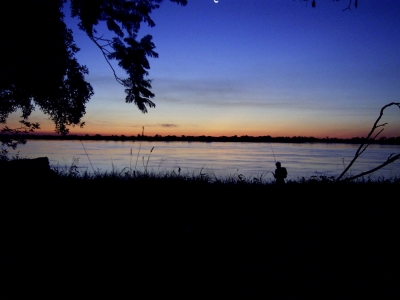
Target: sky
257, 68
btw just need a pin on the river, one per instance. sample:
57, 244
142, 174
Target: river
218, 159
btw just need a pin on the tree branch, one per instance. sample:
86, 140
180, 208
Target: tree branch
365, 145
349, 6
388, 161
12, 137
103, 50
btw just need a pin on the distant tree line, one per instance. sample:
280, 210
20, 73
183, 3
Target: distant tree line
204, 138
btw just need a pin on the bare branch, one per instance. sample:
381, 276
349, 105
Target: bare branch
103, 51
388, 161
365, 145
313, 4
349, 6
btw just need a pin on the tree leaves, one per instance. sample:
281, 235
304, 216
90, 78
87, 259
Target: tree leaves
124, 18
39, 67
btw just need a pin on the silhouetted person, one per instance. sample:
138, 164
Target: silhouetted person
280, 173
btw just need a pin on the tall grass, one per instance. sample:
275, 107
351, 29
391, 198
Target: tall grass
88, 157
73, 171
140, 146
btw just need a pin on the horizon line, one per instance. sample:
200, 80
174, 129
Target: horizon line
57, 135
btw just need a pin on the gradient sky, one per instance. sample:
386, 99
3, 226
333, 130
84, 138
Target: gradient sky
256, 67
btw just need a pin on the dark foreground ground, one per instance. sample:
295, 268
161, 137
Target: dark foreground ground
166, 240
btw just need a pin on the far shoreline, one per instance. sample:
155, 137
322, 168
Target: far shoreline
208, 139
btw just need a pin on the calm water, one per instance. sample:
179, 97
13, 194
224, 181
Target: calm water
216, 158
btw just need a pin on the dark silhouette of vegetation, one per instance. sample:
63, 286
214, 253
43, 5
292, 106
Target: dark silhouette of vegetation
364, 145
348, 7
151, 238
210, 139
16, 168
40, 68
16, 136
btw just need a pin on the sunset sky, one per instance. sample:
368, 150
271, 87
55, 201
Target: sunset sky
259, 67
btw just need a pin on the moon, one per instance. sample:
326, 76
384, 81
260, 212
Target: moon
216, 1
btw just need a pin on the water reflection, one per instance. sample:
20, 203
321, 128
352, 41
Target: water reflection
216, 158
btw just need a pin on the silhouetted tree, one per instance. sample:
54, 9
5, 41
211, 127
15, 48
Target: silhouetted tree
38, 67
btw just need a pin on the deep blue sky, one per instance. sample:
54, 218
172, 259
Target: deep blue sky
259, 67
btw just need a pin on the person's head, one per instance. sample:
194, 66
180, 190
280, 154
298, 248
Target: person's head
278, 164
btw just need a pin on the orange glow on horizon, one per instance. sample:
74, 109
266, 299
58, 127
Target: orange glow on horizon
299, 128
150, 131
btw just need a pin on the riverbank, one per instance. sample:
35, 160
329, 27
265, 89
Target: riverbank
155, 238
208, 139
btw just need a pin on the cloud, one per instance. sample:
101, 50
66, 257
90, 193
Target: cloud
168, 125
195, 90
